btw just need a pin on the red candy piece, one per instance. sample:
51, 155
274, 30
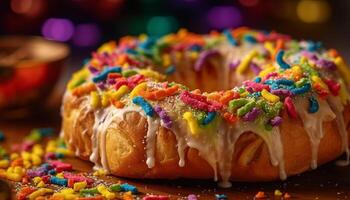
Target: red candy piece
199, 102
333, 86
60, 166
288, 103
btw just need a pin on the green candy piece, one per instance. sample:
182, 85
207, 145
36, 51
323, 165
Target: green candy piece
301, 82
246, 108
78, 82
129, 73
34, 135
115, 187
237, 103
90, 191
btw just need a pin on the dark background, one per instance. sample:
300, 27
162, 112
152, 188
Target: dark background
84, 24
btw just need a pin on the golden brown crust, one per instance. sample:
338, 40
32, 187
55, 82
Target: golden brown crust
125, 148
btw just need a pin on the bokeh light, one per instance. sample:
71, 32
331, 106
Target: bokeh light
160, 25
311, 11
58, 29
249, 3
28, 7
221, 17
86, 35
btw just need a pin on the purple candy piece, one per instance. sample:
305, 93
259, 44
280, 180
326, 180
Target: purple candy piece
164, 116
309, 55
192, 197
203, 57
276, 121
101, 85
36, 172
326, 64
92, 70
281, 92
255, 68
252, 115
234, 64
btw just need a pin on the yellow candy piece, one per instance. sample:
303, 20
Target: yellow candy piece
152, 74
137, 89
192, 123
166, 60
270, 97
278, 193
27, 164
105, 99
77, 78
25, 155
36, 180
343, 69
14, 177
64, 151
4, 163
123, 90
79, 185
269, 47
100, 172
60, 175
193, 55
318, 80
36, 160
51, 146
266, 71
244, 64
38, 150
14, 156
39, 192
41, 184
95, 99
143, 37
105, 192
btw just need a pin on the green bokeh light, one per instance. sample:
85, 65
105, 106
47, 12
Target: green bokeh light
161, 25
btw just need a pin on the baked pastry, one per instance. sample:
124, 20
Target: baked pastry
241, 105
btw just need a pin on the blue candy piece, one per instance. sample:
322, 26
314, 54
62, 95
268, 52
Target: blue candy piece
249, 38
257, 80
280, 61
103, 75
284, 82
230, 38
144, 105
45, 132
313, 46
131, 51
147, 44
2, 136
221, 197
170, 70
313, 106
195, 47
126, 188
52, 172
305, 88
59, 155
58, 181
209, 118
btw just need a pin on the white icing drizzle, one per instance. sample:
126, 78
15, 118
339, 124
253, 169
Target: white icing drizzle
338, 108
103, 118
313, 124
153, 124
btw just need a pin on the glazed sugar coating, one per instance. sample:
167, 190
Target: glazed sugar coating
227, 105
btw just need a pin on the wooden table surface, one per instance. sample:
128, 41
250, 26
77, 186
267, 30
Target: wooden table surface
327, 182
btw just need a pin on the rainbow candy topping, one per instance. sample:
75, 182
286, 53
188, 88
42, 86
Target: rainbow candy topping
262, 79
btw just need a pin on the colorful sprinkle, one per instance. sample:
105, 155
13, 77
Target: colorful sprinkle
280, 61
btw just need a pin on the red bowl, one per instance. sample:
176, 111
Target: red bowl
29, 69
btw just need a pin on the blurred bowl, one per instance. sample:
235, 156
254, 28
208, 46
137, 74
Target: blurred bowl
29, 69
